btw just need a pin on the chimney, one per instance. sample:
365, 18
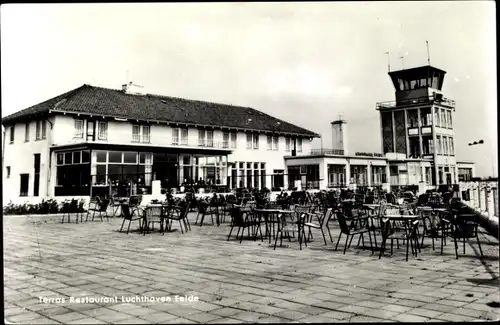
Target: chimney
339, 135
133, 89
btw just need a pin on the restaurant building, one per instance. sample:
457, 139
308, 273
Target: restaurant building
93, 141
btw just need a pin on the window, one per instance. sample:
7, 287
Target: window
78, 129
184, 137
412, 115
38, 130
8, 171
26, 132
438, 144
225, 140
299, 144
234, 137
24, 184
44, 129
103, 130
256, 141
206, 138
136, 133
12, 132
445, 145
275, 143
287, 143
269, 142
249, 141
450, 124
146, 133
452, 149
175, 135
437, 121
210, 138
201, 138
444, 122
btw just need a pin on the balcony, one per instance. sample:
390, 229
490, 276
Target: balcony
416, 101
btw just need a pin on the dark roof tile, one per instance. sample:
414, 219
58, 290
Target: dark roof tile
115, 103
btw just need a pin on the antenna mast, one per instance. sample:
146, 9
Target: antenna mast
428, 55
402, 61
388, 61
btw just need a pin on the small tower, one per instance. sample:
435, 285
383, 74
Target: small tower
339, 135
417, 130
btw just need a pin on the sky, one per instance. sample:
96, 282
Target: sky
306, 63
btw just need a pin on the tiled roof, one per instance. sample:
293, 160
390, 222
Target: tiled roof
115, 103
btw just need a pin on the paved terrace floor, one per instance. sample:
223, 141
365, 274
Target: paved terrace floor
236, 283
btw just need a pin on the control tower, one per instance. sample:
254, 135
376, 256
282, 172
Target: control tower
417, 129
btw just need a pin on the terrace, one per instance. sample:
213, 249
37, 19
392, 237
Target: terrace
235, 283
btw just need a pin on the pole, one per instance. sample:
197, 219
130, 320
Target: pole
388, 61
428, 55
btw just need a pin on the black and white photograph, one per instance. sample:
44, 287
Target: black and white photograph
250, 162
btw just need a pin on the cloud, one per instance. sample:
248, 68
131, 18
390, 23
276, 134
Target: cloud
342, 91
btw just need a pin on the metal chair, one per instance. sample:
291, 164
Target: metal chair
127, 216
100, 207
462, 226
350, 232
322, 224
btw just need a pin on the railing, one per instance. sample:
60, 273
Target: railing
326, 152
416, 101
481, 196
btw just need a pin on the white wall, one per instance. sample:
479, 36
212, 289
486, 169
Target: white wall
19, 156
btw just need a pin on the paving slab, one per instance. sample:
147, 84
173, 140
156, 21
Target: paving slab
233, 282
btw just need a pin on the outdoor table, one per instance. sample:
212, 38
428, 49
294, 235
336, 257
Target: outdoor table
271, 218
151, 206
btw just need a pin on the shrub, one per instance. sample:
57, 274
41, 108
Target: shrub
44, 207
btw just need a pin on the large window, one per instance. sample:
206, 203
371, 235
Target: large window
225, 140
184, 136
78, 128
287, 143
450, 124
103, 130
73, 173
119, 167
269, 142
27, 132
146, 133
452, 148
439, 147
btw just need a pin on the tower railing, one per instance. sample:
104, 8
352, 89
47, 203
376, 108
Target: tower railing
416, 101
